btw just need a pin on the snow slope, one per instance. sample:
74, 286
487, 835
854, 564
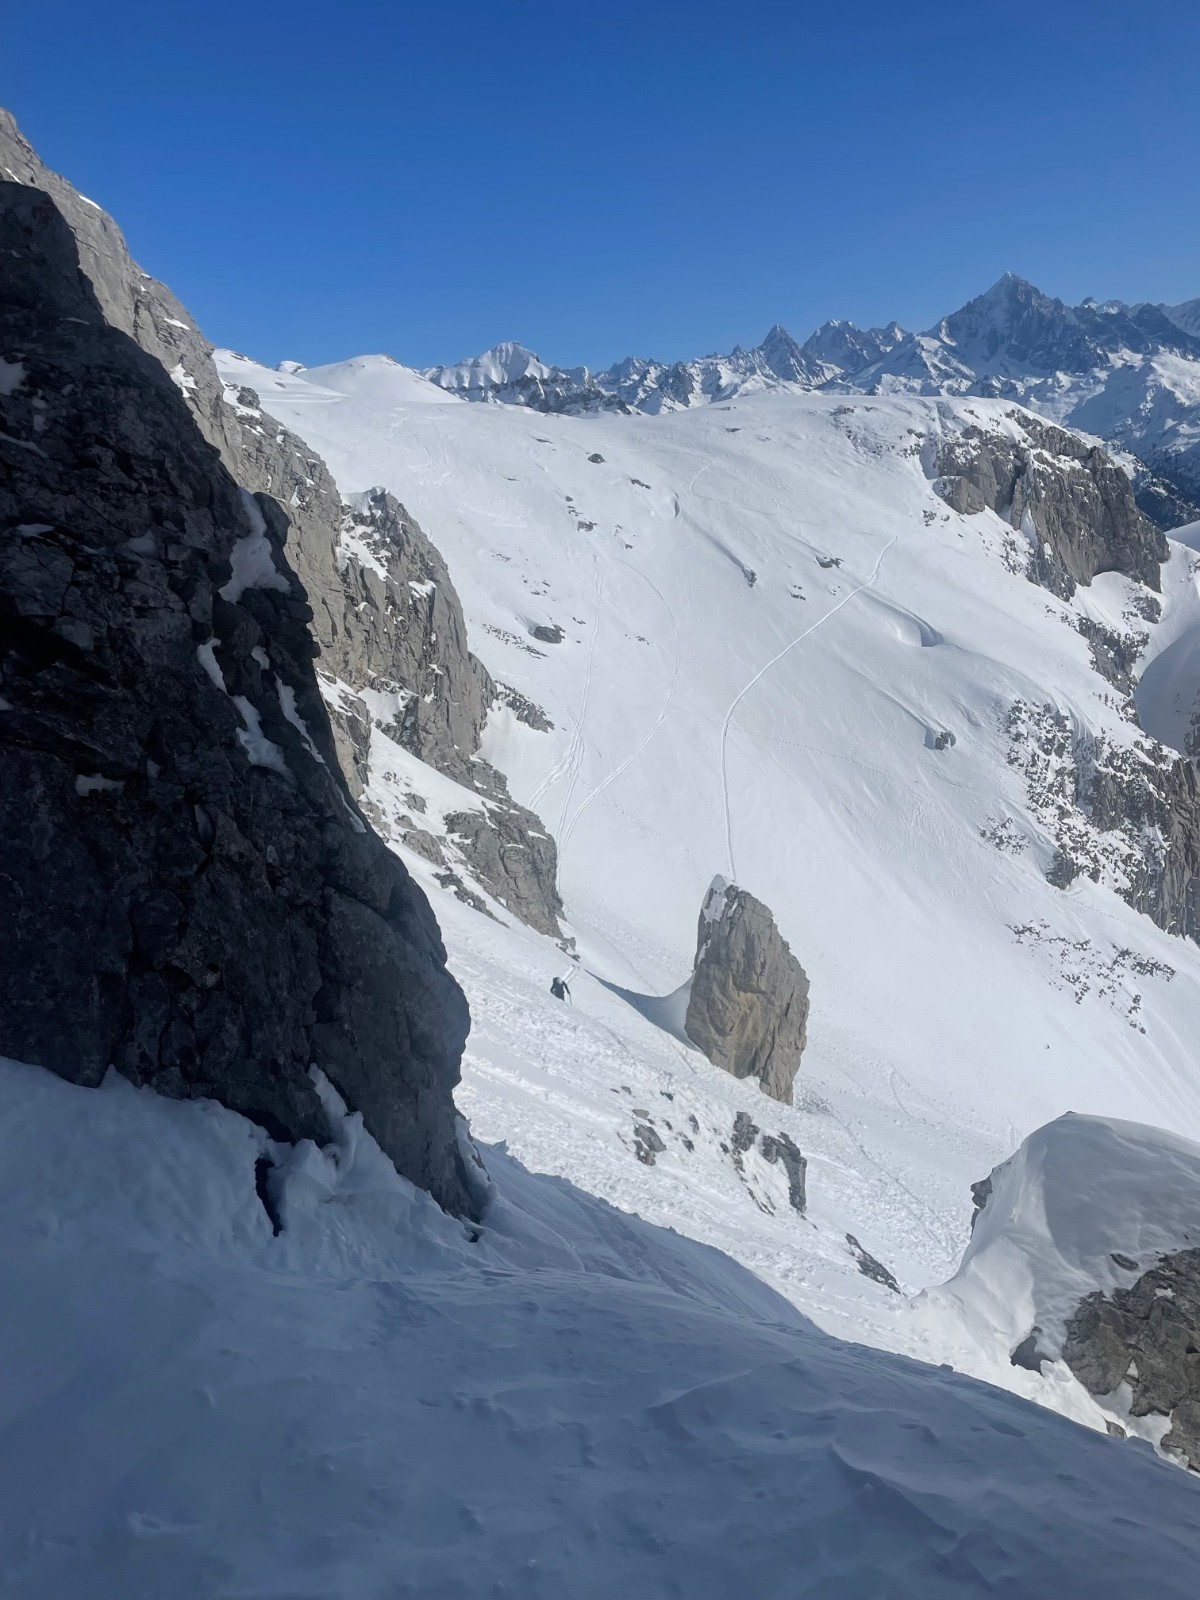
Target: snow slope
370, 1405
780, 731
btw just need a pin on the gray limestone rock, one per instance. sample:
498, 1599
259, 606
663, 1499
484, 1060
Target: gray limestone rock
779, 1148
1102, 801
511, 854
869, 1267
186, 890
1074, 504
1149, 1336
748, 1007
647, 1145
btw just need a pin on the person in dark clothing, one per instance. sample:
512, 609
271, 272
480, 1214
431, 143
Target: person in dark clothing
558, 988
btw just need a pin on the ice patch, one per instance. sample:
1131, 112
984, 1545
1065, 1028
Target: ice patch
287, 704
12, 376
261, 751
207, 659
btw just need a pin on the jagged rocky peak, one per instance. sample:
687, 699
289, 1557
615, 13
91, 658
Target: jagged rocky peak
783, 356
188, 893
748, 1004
1014, 327
840, 347
1074, 505
1014, 319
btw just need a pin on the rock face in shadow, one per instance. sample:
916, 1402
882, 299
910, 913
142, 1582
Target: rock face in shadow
186, 890
748, 1008
1149, 1336
1072, 502
392, 640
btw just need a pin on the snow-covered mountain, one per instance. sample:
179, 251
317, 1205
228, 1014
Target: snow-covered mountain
909, 671
745, 632
1129, 374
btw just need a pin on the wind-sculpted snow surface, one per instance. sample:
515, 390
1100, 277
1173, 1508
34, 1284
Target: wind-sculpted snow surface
373, 1403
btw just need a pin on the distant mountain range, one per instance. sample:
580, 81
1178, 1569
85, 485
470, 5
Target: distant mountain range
1130, 374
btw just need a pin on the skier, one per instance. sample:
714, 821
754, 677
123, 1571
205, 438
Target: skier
558, 988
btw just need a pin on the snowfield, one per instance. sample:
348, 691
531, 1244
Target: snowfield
371, 1405
769, 617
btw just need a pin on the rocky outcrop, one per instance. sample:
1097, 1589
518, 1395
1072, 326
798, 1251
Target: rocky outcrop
391, 631
385, 616
779, 1148
1073, 503
870, 1267
748, 1005
186, 890
1146, 1335
1128, 815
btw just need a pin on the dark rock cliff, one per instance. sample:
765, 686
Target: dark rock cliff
1147, 1335
391, 624
186, 889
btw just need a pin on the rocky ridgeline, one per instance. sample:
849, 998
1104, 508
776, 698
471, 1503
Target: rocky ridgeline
1072, 501
186, 889
748, 1005
389, 625
386, 617
1125, 815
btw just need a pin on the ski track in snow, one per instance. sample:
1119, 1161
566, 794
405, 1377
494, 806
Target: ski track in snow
595, 794
758, 677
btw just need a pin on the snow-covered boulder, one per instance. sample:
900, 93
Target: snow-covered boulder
1084, 1266
748, 1006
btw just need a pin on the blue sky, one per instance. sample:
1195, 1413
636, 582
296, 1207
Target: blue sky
598, 179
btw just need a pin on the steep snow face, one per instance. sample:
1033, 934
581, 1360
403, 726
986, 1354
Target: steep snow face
575, 1403
768, 619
